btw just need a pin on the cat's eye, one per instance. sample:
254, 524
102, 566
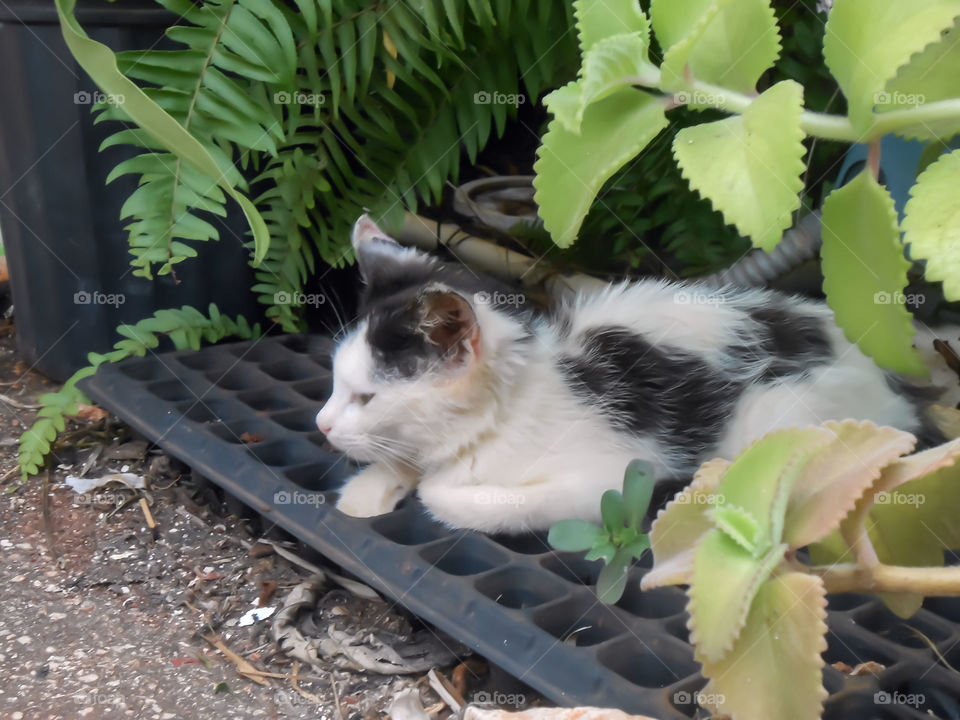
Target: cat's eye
362, 398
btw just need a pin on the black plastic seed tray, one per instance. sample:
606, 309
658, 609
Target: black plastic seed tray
242, 415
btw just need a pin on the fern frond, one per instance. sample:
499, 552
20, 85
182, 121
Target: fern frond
327, 107
186, 328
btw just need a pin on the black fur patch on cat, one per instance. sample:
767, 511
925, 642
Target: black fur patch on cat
389, 303
645, 389
794, 342
399, 348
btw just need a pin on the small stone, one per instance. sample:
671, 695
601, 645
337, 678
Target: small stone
24, 640
89, 678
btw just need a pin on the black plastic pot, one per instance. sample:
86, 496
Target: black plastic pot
67, 249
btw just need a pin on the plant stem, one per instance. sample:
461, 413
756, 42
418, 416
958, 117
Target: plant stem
889, 578
821, 125
916, 117
873, 159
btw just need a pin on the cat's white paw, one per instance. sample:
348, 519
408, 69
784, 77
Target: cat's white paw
375, 491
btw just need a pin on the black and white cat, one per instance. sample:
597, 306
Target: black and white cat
504, 419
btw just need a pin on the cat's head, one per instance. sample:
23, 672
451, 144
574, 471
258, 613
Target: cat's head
419, 355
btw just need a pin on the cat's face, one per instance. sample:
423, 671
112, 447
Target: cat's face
412, 358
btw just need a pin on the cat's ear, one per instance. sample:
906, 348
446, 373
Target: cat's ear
379, 256
450, 323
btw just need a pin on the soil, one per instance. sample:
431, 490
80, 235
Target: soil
104, 617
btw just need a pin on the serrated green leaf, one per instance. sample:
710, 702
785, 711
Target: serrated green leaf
909, 516
729, 43
600, 19
574, 535
865, 273
837, 476
779, 649
570, 169
564, 103
931, 225
739, 525
612, 64
930, 76
761, 477
750, 167
861, 63
725, 579
679, 527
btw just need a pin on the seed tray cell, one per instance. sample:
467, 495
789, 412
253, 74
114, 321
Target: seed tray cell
242, 416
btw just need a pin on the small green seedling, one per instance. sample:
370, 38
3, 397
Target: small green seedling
620, 539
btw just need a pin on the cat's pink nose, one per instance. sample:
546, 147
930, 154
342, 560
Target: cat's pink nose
325, 429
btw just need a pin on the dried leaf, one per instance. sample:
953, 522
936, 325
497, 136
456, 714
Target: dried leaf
91, 412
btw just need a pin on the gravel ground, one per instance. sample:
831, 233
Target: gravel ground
103, 617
